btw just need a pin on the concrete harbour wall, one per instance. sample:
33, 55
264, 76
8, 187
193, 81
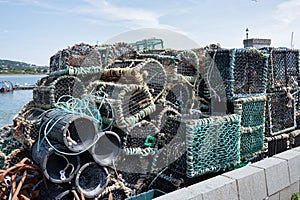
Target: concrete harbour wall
274, 178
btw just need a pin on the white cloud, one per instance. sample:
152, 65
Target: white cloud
129, 16
288, 11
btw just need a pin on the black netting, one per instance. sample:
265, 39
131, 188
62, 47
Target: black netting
280, 113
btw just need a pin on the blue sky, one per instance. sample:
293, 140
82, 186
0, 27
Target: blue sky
34, 30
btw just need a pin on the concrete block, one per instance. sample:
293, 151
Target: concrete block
287, 192
273, 197
296, 149
293, 159
251, 182
276, 172
217, 188
183, 193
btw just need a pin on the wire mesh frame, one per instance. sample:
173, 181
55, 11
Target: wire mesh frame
143, 71
27, 124
212, 144
280, 113
188, 65
252, 111
179, 95
9, 147
49, 89
130, 102
248, 73
284, 68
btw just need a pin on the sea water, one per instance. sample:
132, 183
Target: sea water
12, 102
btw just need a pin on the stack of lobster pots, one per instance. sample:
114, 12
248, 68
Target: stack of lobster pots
110, 122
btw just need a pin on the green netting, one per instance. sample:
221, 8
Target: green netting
252, 111
211, 144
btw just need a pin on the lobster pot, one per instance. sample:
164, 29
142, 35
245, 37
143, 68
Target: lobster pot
297, 105
252, 111
11, 151
161, 115
91, 179
133, 169
106, 148
280, 113
211, 144
121, 76
77, 132
244, 71
169, 181
277, 144
126, 104
151, 194
27, 124
294, 138
58, 168
168, 60
283, 68
188, 65
202, 94
49, 90
180, 96
55, 191
80, 55
142, 134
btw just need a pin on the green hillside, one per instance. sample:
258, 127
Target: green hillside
16, 67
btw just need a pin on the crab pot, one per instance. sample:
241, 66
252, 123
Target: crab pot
57, 168
211, 144
295, 138
27, 124
129, 103
75, 131
203, 97
277, 144
77, 56
142, 134
106, 149
283, 68
180, 96
91, 179
154, 75
244, 71
48, 90
252, 111
55, 191
161, 114
151, 194
188, 65
280, 113
8, 146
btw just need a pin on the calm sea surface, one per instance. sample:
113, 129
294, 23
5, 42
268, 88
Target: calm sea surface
12, 102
